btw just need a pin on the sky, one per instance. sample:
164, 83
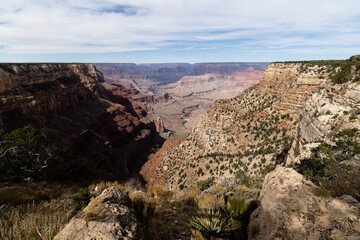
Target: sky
153, 31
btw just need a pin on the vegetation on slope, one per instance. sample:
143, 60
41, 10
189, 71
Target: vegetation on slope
335, 168
24, 153
250, 135
34, 210
340, 71
215, 211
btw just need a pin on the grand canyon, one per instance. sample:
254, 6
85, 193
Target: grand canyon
249, 147
181, 93
174, 120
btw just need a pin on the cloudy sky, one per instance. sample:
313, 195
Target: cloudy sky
177, 30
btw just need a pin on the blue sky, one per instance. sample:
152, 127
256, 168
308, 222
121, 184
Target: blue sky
145, 31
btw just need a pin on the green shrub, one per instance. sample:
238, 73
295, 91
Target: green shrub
24, 153
240, 206
321, 192
353, 117
326, 168
242, 178
81, 198
205, 184
267, 169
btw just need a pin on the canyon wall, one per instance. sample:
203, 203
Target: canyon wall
269, 124
181, 93
98, 133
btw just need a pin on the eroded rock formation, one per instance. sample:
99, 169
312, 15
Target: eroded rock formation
113, 218
290, 210
98, 133
293, 108
172, 90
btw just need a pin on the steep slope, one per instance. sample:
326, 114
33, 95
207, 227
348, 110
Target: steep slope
97, 133
257, 128
181, 93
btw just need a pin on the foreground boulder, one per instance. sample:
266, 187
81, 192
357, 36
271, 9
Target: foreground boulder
289, 210
108, 217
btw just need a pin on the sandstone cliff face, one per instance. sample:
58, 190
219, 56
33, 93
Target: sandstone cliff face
259, 127
97, 133
289, 210
114, 219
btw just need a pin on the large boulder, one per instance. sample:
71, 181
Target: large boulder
289, 210
113, 219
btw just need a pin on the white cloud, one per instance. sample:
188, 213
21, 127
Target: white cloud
88, 26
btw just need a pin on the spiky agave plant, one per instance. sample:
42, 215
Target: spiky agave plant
209, 223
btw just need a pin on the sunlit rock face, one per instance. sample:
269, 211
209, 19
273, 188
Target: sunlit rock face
114, 219
290, 210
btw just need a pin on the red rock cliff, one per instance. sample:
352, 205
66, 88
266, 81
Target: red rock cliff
96, 137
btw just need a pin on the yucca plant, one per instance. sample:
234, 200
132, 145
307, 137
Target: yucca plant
209, 223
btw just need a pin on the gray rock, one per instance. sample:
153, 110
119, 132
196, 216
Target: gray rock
289, 210
115, 219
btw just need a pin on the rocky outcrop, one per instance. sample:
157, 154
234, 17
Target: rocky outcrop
332, 109
99, 133
293, 85
290, 210
294, 107
113, 219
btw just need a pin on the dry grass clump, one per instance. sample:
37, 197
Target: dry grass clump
196, 235
92, 209
218, 189
35, 221
187, 195
159, 192
102, 185
20, 194
144, 205
211, 201
164, 214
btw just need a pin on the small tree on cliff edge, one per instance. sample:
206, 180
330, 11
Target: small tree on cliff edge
23, 153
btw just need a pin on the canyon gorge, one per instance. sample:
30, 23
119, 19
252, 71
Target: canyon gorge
230, 132
180, 93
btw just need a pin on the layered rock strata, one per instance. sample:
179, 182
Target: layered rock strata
275, 122
97, 133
